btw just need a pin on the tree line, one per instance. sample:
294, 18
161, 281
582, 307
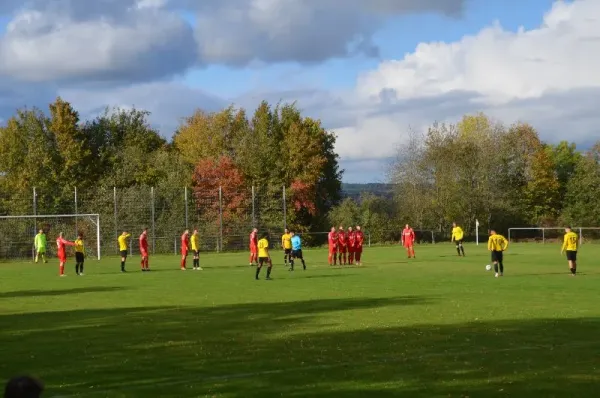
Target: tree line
503, 176
220, 156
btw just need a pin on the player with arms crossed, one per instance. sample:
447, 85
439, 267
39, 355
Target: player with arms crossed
143, 239
79, 255
122, 240
185, 238
457, 237
332, 239
254, 247
40, 246
569, 246
286, 245
342, 246
358, 246
264, 257
61, 252
408, 241
195, 241
296, 251
497, 245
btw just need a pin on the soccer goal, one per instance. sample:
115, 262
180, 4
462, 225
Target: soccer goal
17, 233
551, 234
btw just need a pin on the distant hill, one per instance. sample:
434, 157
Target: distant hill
354, 190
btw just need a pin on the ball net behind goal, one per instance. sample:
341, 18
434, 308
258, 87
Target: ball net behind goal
17, 234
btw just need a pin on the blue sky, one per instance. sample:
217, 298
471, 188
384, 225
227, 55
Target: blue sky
436, 60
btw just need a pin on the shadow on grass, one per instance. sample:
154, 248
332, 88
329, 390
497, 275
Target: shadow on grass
296, 350
61, 292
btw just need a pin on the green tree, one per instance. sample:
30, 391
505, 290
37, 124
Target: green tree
583, 190
542, 190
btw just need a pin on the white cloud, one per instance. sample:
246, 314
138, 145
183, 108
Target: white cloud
123, 43
546, 76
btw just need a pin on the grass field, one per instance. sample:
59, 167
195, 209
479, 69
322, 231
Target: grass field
437, 326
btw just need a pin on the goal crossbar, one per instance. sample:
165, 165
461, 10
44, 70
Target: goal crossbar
544, 229
93, 218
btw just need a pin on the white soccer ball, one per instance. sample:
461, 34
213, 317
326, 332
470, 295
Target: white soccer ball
488, 267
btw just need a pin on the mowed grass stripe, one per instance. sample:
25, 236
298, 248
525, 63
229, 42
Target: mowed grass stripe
436, 326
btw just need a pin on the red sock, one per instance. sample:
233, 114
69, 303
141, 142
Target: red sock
182, 263
62, 269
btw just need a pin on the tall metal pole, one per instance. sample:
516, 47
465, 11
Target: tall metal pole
220, 245
153, 222
185, 193
76, 212
34, 219
284, 209
253, 209
115, 213
98, 236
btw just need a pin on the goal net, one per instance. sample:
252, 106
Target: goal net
17, 233
552, 234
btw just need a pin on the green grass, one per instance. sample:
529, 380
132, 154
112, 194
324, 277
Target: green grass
435, 326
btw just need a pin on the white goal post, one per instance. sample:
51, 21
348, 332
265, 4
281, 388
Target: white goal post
543, 230
18, 232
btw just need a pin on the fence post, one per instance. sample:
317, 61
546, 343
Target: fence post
284, 209
220, 244
153, 221
253, 209
185, 198
580, 236
369, 239
115, 212
34, 220
432, 237
543, 235
76, 211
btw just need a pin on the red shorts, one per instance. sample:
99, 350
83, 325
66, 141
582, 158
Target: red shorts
343, 249
184, 251
408, 243
253, 249
144, 253
62, 258
332, 249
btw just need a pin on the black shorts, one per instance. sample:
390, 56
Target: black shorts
196, 253
571, 255
287, 251
123, 253
458, 241
497, 256
297, 254
263, 260
79, 257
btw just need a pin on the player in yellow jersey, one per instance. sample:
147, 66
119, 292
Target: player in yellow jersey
264, 257
286, 244
457, 237
123, 248
195, 242
79, 255
497, 244
570, 245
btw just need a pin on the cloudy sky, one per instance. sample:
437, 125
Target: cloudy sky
370, 69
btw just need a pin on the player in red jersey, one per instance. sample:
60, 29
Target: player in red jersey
254, 247
333, 244
351, 245
144, 250
343, 246
358, 245
408, 240
185, 239
61, 251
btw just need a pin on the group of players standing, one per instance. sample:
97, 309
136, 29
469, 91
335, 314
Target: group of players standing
345, 247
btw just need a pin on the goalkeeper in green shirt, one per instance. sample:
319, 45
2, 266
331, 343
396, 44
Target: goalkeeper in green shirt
40, 246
